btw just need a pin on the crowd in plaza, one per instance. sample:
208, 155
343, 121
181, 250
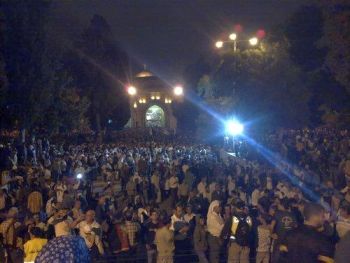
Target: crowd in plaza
284, 198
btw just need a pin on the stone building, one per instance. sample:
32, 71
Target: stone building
150, 102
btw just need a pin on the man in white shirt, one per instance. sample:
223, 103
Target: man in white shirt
91, 231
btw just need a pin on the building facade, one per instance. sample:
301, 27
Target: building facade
150, 102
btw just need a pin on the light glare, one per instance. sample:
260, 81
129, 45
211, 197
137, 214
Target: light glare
253, 41
233, 36
219, 44
178, 90
132, 90
233, 128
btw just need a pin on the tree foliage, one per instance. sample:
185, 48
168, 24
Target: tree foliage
25, 56
306, 33
303, 30
67, 109
337, 39
99, 67
3, 76
188, 111
261, 85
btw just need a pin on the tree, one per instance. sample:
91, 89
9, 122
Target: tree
264, 85
261, 85
188, 111
99, 68
68, 109
25, 58
3, 77
337, 39
303, 31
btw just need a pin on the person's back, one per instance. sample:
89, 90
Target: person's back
164, 240
32, 248
35, 202
306, 244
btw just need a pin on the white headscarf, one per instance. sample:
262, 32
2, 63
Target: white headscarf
215, 222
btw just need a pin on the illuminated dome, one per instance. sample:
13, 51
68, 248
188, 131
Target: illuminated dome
146, 81
144, 74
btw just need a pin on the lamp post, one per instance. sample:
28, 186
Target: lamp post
233, 39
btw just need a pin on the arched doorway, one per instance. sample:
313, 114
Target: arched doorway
155, 117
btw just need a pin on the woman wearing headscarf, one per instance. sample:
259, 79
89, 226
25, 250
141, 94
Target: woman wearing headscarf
215, 223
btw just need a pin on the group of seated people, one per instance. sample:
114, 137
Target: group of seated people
139, 201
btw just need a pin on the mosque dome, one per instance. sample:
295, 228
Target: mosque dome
144, 74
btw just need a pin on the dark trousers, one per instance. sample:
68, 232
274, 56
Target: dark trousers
182, 251
214, 248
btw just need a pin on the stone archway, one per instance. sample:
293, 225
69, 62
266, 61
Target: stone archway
155, 117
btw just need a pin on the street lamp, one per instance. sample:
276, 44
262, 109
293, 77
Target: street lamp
219, 44
233, 36
253, 41
234, 127
131, 90
178, 90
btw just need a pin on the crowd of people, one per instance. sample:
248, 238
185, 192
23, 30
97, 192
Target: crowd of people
282, 198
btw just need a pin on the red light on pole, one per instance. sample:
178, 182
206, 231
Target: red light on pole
261, 33
238, 28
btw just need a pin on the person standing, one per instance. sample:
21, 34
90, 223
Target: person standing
91, 231
238, 231
173, 185
35, 202
215, 224
181, 229
164, 240
284, 220
33, 247
306, 243
218, 194
343, 223
200, 239
132, 229
264, 237
151, 227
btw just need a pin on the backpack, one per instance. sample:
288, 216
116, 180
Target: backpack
242, 232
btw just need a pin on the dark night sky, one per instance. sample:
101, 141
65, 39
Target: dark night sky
168, 35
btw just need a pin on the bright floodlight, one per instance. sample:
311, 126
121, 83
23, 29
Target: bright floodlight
219, 44
178, 90
233, 36
79, 176
131, 90
233, 127
253, 41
